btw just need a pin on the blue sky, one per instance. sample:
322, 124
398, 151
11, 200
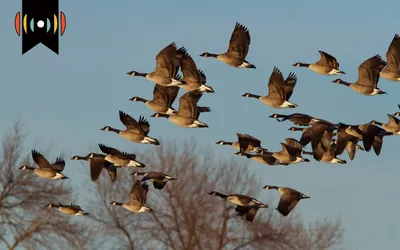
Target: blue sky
66, 99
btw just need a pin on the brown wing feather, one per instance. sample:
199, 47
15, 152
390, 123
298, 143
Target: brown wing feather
39, 159
327, 60
165, 64
393, 55
144, 125
160, 95
59, 164
275, 84
109, 150
240, 42
188, 104
189, 69
290, 83
368, 71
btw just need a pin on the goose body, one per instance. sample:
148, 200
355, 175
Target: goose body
136, 131
159, 179
137, 200
163, 97
188, 113
45, 169
167, 65
296, 118
327, 65
120, 159
393, 126
73, 210
289, 199
245, 205
368, 77
96, 163
280, 91
238, 49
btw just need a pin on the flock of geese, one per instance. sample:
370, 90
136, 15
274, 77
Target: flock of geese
328, 140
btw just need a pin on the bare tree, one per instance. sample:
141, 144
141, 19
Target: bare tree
23, 196
186, 217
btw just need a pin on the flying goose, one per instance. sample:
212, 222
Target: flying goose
263, 157
329, 156
248, 143
327, 65
318, 132
69, 209
167, 65
280, 91
296, 118
136, 131
137, 200
371, 135
291, 152
193, 78
392, 70
244, 204
289, 199
188, 113
163, 97
393, 126
45, 169
238, 48
97, 162
159, 179
346, 141
120, 159
368, 77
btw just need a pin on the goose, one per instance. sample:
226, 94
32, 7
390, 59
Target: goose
120, 159
296, 118
238, 48
69, 209
397, 113
45, 169
371, 135
327, 65
137, 200
167, 65
263, 157
289, 199
328, 156
97, 162
163, 97
136, 131
188, 114
318, 132
393, 126
193, 79
346, 141
250, 144
244, 204
290, 152
368, 77
392, 70
280, 91
159, 179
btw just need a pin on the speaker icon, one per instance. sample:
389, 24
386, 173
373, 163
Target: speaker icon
41, 23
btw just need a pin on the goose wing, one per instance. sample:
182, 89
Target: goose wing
188, 104
109, 150
289, 84
393, 55
130, 123
40, 160
239, 43
59, 164
165, 64
189, 69
275, 84
368, 71
327, 60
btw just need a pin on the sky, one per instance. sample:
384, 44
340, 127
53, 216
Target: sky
65, 99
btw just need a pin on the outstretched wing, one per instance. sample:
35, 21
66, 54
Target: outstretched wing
59, 164
240, 42
39, 159
130, 123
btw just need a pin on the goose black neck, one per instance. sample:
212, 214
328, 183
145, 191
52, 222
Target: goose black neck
303, 65
138, 99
